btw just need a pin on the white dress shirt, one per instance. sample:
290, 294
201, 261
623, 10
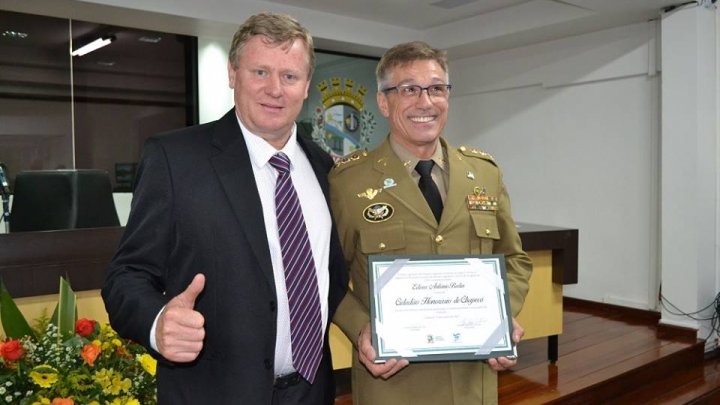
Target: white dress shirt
317, 220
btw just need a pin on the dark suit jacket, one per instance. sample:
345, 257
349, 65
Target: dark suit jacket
196, 209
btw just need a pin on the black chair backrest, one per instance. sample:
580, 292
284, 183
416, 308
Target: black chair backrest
62, 199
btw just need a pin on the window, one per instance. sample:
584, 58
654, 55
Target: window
92, 111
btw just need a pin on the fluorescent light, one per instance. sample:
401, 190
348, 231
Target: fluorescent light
151, 40
14, 34
94, 45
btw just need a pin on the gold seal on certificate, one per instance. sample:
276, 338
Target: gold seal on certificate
439, 308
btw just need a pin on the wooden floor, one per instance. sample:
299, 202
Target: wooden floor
610, 355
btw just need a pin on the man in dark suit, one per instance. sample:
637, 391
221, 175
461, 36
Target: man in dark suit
200, 275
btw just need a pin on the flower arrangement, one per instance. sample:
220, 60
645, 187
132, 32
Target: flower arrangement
64, 361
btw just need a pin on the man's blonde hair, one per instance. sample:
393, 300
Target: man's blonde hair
278, 29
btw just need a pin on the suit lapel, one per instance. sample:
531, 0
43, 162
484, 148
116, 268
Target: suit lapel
234, 170
316, 161
406, 190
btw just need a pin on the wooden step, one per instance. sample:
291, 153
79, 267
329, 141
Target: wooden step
608, 355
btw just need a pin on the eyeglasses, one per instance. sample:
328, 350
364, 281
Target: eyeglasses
415, 91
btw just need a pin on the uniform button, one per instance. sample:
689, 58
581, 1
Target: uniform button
439, 239
381, 246
487, 231
268, 364
273, 306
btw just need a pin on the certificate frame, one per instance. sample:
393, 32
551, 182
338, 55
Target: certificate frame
440, 307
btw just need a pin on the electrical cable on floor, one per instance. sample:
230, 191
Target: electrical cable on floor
714, 318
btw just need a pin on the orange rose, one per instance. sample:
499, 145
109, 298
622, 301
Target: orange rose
85, 327
11, 350
62, 401
89, 353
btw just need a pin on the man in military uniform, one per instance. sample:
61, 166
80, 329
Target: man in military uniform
416, 195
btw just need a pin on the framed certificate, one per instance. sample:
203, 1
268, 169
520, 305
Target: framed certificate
439, 308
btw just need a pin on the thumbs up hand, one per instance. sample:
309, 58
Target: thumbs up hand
180, 329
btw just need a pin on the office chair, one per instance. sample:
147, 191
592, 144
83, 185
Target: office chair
62, 199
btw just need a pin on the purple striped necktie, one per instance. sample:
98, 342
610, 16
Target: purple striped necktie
300, 276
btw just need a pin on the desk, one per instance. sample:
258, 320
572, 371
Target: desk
554, 252
31, 264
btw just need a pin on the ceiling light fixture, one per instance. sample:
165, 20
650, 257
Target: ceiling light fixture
151, 40
94, 45
14, 34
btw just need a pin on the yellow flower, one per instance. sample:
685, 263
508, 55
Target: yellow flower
96, 343
124, 401
120, 384
112, 382
43, 401
94, 403
116, 342
148, 363
103, 377
107, 330
44, 375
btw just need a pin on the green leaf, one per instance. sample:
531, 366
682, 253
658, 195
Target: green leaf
13, 321
66, 311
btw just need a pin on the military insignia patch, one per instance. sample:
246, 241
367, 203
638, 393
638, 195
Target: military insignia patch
370, 193
350, 158
481, 201
378, 212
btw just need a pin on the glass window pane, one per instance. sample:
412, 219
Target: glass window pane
35, 109
125, 92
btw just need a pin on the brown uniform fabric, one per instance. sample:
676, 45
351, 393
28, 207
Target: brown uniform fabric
411, 230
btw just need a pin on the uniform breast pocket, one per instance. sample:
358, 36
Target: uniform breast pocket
378, 239
483, 233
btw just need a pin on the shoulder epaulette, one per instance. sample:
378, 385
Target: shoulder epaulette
353, 157
477, 153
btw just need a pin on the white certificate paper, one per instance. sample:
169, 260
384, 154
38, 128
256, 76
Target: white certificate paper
440, 308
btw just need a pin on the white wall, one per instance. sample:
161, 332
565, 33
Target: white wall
215, 97
690, 215
573, 124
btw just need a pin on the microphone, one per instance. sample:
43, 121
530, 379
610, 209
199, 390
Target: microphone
4, 186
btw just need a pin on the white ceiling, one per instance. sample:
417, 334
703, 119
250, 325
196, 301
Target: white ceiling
462, 27
424, 14
469, 27
407, 13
